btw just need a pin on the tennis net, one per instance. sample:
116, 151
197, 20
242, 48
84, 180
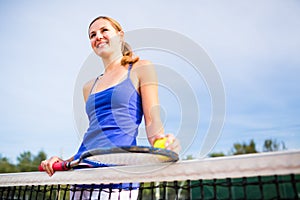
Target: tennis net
252, 176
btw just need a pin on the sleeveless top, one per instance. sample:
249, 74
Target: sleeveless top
114, 117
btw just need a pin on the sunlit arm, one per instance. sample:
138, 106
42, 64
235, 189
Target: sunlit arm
150, 101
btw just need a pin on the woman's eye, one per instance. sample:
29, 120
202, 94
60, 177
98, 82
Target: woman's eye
92, 35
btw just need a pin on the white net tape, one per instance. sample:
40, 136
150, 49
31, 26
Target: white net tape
260, 164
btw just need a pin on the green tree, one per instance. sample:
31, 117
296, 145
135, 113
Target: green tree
39, 158
244, 148
273, 145
25, 161
6, 166
216, 154
28, 162
189, 157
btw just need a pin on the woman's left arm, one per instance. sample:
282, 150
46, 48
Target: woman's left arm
148, 86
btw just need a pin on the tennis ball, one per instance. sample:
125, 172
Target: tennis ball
160, 143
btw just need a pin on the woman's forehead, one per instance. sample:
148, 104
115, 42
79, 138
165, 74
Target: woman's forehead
100, 23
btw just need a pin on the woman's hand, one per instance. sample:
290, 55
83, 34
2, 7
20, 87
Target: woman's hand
47, 164
172, 143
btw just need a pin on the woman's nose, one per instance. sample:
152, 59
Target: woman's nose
99, 35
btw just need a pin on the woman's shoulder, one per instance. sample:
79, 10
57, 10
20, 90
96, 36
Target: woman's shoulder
143, 66
140, 63
87, 87
89, 84
144, 69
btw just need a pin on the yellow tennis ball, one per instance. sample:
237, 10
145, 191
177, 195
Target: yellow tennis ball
160, 143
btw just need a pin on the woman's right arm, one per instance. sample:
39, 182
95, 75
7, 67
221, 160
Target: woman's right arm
47, 164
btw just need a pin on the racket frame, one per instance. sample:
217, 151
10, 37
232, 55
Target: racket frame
64, 166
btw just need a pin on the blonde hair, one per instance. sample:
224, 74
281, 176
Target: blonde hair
128, 56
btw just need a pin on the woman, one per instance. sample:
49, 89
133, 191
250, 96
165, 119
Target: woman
117, 99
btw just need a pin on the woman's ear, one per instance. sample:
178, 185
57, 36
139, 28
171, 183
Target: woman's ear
121, 34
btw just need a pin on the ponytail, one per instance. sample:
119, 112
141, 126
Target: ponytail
128, 56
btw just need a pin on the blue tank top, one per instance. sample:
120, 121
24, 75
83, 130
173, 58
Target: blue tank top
114, 117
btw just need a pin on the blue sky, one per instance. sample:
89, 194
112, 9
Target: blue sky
255, 46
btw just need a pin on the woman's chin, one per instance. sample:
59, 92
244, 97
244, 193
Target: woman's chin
101, 52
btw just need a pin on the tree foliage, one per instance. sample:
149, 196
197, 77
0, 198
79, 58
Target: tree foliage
244, 148
26, 162
216, 154
189, 157
273, 145
269, 145
6, 166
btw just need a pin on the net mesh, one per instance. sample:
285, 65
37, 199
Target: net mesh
257, 176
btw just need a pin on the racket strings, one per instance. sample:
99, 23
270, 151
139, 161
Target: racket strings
127, 159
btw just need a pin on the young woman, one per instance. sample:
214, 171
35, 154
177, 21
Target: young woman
117, 100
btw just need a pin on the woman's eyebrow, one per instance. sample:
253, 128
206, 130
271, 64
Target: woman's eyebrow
103, 27
94, 31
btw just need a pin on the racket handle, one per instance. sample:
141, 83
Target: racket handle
57, 166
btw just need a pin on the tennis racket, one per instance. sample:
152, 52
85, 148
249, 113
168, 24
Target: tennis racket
118, 156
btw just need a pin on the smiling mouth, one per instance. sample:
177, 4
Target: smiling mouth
100, 45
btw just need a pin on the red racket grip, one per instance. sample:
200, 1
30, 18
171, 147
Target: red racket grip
57, 166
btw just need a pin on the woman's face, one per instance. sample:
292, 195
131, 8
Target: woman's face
105, 39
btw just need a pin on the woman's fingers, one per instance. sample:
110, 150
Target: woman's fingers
47, 164
172, 143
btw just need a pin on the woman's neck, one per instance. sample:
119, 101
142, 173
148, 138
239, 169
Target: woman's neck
112, 61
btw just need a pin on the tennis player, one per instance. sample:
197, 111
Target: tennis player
117, 100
